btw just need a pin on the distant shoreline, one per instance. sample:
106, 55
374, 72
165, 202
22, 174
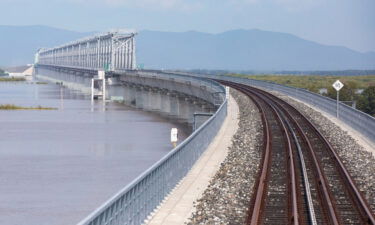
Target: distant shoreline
15, 107
11, 79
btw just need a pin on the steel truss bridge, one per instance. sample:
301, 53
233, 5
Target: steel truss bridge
112, 51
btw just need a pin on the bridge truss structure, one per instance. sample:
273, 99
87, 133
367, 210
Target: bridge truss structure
112, 51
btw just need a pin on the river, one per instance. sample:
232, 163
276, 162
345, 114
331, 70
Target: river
56, 166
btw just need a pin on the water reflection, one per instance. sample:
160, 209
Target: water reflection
64, 163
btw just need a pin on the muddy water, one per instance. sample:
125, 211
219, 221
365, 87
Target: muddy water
57, 166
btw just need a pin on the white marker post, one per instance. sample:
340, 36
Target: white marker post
174, 137
226, 92
101, 76
337, 86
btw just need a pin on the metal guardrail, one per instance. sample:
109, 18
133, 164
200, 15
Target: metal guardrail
183, 78
208, 90
137, 200
361, 122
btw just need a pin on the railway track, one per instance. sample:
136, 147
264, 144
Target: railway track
301, 178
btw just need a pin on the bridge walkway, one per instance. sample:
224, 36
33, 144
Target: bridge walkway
178, 205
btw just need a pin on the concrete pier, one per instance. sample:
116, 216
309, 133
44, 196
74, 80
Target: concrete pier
148, 94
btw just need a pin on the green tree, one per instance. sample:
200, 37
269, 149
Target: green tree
366, 102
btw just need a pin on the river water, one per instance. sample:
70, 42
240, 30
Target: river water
56, 166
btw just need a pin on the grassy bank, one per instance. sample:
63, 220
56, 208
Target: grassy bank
15, 107
9, 79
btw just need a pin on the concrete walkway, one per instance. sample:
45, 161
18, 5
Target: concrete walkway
179, 205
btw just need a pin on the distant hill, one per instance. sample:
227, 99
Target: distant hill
245, 50
18, 44
232, 50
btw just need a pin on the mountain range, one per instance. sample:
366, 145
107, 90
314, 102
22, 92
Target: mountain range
232, 50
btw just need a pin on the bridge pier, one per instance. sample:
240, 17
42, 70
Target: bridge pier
138, 97
183, 109
155, 100
165, 103
87, 79
116, 92
146, 95
174, 105
191, 109
129, 94
156, 96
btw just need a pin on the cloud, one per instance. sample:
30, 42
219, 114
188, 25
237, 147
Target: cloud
245, 1
155, 5
298, 5
241, 3
293, 5
189, 5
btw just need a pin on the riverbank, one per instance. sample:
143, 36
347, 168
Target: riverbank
11, 79
15, 107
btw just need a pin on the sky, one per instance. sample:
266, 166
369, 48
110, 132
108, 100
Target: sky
349, 23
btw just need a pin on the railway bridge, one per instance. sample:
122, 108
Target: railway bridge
111, 51
301, 179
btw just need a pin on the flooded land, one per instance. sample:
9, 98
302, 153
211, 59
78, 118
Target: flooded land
56, 166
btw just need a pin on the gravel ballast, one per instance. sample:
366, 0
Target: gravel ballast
227, 198
359, 162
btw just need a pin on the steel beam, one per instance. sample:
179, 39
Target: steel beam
112, 50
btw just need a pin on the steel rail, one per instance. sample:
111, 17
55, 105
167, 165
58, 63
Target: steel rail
364, 213
306, 182
294, 218
293, 184
286, 116
261, 188
320, 179
356, 195
263, 177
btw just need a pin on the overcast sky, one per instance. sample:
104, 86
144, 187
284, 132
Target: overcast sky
349, 23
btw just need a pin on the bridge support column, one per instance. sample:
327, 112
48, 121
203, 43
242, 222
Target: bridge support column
138, 97
155, 100
130, 94
165, 103
183, 109
191, 109
146, 96
174, 105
